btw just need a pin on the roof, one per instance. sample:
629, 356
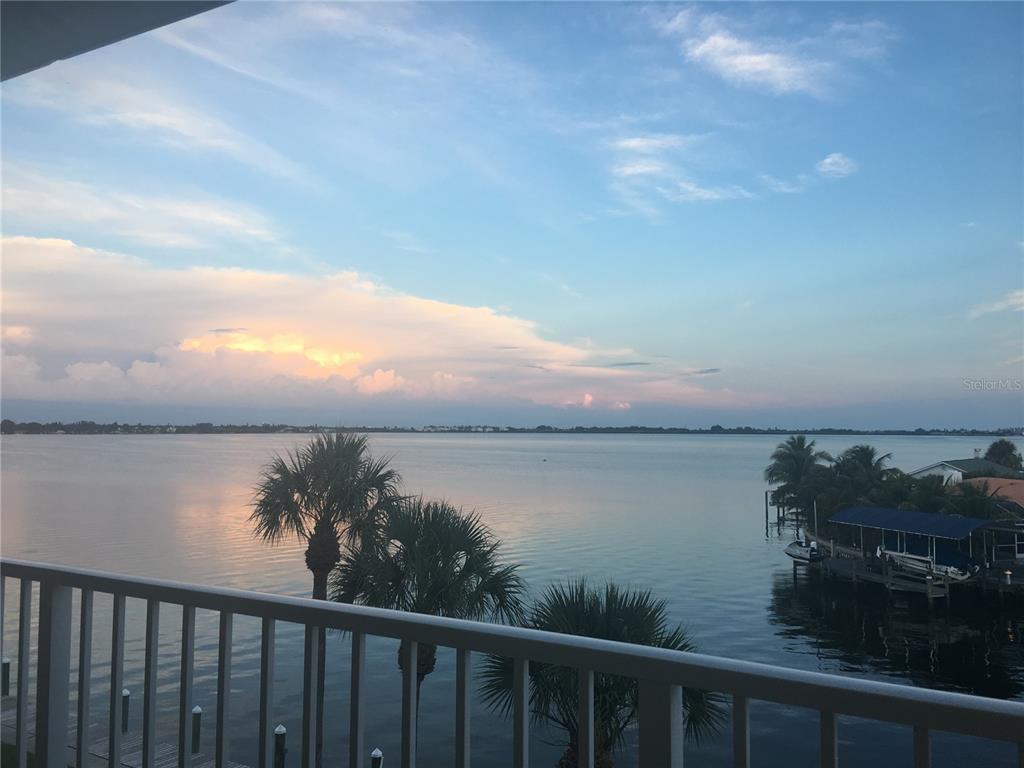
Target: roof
1013, 490
924, 523
973, 467
38, 33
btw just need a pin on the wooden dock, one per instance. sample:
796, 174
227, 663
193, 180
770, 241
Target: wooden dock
166, 755
856, 570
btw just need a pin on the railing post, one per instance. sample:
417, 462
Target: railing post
922, 748
118, 721
740, 732
585, 720
149, 684
52, 673
266, 746
84, 680
24, 642
355, 722
829, 740
410, 660
463, 676
661, 724
188, 733
310, 675
220, 753
520, 713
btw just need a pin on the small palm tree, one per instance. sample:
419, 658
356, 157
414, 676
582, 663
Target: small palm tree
428, 557
795, 468
630, 616
315, 495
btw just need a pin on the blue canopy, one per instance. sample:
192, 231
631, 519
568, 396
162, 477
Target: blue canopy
924, 523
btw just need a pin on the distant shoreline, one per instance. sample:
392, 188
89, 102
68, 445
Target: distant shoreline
208, 428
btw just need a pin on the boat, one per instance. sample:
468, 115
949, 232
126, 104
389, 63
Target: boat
922, 566
804, 552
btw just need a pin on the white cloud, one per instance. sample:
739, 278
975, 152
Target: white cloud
782, 186
34, 199
1011, 302
107, 327
639, 168
688, 191
808, 64
125, 99
653, 143
836, 166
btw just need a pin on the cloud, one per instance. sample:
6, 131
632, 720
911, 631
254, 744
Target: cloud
782, 186
745, 58
126, 100
836, 166
688, 191
654, 143
1011, 302
638, 168
108, 327
34, 199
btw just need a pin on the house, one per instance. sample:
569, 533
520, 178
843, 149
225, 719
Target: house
955, 470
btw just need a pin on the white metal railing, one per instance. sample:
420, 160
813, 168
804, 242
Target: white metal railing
661, 674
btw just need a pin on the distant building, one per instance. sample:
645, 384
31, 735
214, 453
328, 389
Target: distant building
955, 470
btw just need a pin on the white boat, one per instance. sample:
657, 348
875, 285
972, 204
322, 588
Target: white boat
804, 552
922, 566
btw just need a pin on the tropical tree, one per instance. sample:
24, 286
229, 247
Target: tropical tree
796, 468
973, 500
860, 471
428, 557
1004, 452
611, 613
929, 493
314, 495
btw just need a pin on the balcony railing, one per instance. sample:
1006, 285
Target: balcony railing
661, 674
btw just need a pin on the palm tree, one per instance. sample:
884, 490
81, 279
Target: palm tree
612, 613
428, 557
795, 468
860, 471
314, 495
972, 500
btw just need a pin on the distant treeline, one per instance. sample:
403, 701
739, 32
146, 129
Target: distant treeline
9, 427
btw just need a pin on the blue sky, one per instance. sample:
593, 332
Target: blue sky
573, 213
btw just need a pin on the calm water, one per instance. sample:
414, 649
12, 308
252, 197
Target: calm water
681, 515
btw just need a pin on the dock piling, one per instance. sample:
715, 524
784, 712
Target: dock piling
126, 699
197, 727
5, 684
376, 759
280, 749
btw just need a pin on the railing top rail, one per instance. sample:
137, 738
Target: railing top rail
937, 710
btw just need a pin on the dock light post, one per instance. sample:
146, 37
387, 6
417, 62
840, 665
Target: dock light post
197, 727
280, 734
5, 684
376, 759
1007, 575
126, 700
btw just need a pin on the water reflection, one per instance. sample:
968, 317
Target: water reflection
971, 646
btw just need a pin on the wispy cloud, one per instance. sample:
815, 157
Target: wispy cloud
746, 58
1011, 302
687, 191
33, 199
147, 108
785, 187
654, 143
836, 166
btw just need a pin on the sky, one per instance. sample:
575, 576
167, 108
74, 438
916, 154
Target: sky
797, 215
